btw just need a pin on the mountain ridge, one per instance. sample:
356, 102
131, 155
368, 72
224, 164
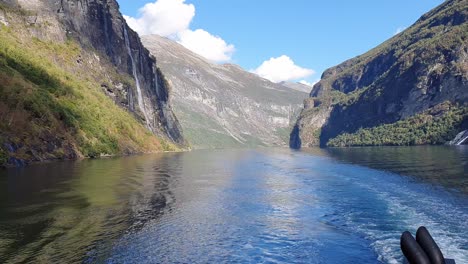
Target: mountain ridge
222, 105
420, 69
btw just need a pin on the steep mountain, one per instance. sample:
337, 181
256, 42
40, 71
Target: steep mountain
298, 86
75, 81
410, 90
223, 105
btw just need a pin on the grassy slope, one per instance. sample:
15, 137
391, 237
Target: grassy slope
50, 111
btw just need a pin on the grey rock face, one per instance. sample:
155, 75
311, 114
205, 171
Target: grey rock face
298, 86
99, 26
223, 105
306, 131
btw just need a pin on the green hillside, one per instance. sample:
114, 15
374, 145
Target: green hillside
52, 104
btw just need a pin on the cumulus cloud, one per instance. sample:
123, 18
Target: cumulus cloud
172, 18
308, 83
163, 17
211, 47
282, 69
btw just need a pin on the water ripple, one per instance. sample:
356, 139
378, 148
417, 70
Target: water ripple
236, 206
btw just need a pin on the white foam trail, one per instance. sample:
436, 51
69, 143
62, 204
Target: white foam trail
411, 206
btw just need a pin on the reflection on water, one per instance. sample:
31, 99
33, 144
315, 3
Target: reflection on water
236, 206
64, 211
441, 165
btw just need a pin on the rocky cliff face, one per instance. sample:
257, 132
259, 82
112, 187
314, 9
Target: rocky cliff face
421, 72
98, 24
98, 47
223, 105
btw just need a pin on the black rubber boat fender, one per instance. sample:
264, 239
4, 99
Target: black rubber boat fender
412, 250
427, 243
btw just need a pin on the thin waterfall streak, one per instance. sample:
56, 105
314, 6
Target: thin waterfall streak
141, 103
461, 141
460, 138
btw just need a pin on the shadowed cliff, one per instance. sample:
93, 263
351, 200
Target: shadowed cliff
410, 90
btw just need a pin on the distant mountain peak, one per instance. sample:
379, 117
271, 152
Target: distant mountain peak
297, 86
222, 105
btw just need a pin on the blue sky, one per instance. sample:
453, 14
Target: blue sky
309, 35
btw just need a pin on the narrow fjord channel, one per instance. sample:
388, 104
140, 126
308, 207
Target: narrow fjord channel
236, 206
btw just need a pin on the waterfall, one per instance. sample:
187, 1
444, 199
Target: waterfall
162, 105
460, 138
141, 103
463, 138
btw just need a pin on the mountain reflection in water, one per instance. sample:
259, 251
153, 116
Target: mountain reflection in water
245, 206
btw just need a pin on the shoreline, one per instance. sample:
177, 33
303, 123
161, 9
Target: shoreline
26, 163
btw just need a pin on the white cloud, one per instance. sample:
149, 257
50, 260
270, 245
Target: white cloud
211, 47
399, 30
309, 83
172, 18
163, 17
281, 69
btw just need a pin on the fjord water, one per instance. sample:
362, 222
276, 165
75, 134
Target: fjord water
236, 206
